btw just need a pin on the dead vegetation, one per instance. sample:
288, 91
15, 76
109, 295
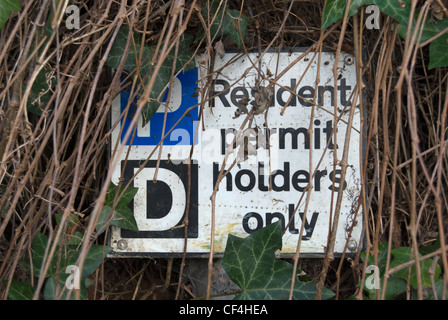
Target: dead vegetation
57, 163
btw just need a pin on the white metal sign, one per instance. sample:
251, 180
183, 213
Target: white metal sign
269, 180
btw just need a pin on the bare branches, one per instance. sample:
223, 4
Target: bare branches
54, 163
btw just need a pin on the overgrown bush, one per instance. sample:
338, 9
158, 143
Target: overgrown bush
56, 92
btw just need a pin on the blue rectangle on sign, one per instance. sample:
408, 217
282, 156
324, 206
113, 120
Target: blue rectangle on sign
183, 133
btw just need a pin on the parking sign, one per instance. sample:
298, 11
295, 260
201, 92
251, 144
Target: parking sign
270, 182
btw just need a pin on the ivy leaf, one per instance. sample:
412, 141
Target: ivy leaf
395, 286
4, 209
93, 260
70, 255
49, 30
382, 256
251, 263
335, 9
234, 23
72, 220
438, 48
51, 293
123, 216
40, 243
6, 7
41, 91
45, 81
402, 255
184, 55
430, 248
20, 290
438, 52
37, 253
439, 288
132, 62
396, 283
58, 269
227, 22
400, 11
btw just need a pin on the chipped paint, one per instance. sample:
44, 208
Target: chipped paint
244, 202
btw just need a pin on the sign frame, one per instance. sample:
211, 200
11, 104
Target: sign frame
121, 245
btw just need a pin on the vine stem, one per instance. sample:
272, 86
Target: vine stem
409, 58
67, 211
310, 182
333, 225
213, 199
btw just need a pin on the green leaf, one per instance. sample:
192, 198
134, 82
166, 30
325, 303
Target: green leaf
4, 209
397, 281
123, 217
335, 9
6, 7
132, 62
395, 286
438, 48
50, 292
71, 221
236, 23
48, 24
93, 260
70, 254
438, 290
20, 290
251, 263
382, 257
184, 54
430, 248
40, 242
117, 51
45, 81
41, 91
402, 255
438, 52
227, 22
75, 238
94, 257
397, 10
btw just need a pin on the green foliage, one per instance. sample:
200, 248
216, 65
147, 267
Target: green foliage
251, 263
399, 11
227, 22
4, 209
41, 91
45, 81
335, 9
6, 7
224, 21
123, 217
403, 255
20, 290
58, 271
143, 66
67, 253
397, 281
